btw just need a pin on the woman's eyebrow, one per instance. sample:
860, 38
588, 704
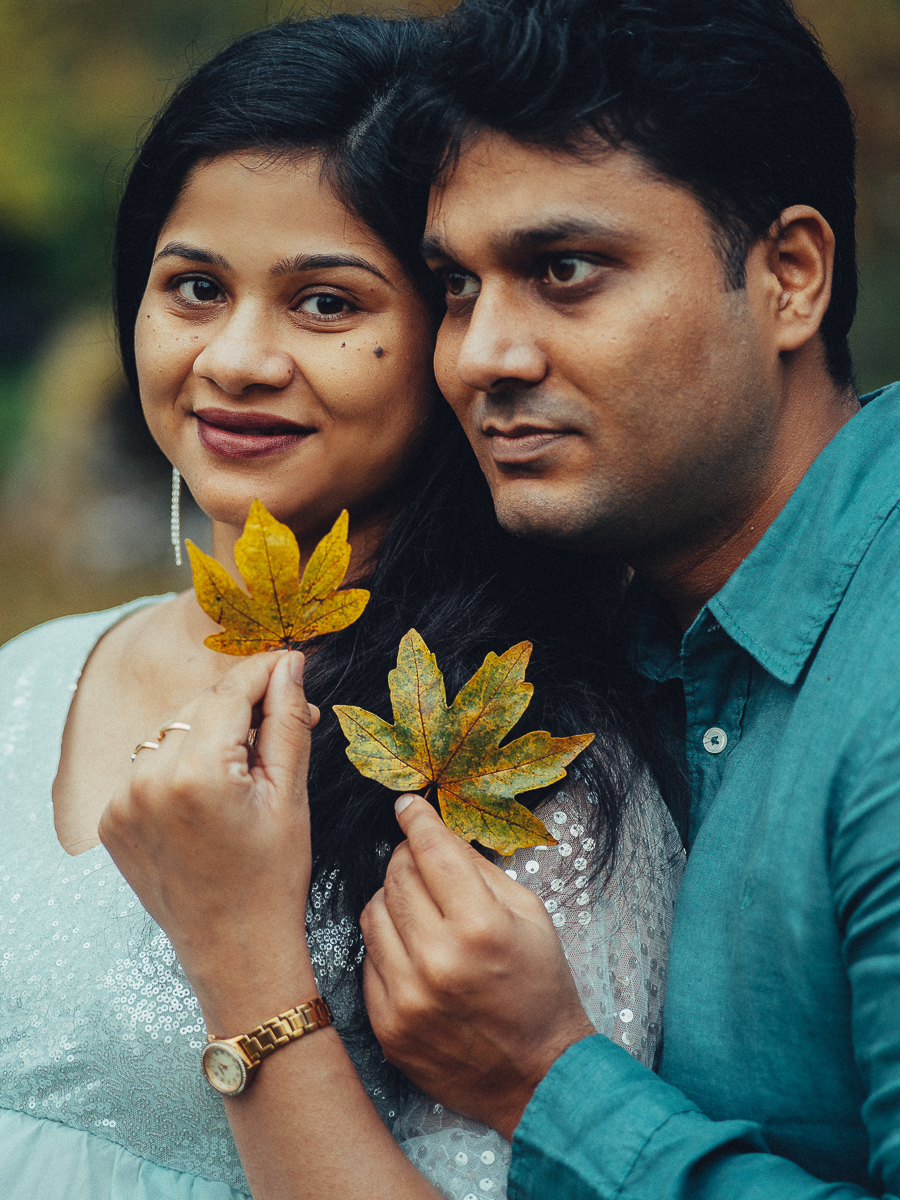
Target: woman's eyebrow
323, 262
193, 254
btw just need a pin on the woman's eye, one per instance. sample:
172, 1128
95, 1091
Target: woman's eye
324, 304
458, 283
569, 270
198, 290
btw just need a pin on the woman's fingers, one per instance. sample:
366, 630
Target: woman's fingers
221, 717
213, 751
282, 746
200, 773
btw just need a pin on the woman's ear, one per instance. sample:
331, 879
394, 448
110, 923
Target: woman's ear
800, 252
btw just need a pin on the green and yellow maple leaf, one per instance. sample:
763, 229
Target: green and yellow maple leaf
456, 748
279, 610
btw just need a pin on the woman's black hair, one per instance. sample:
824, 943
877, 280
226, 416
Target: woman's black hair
330, 86
445, 567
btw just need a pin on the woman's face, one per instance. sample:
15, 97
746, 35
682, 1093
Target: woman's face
281, 350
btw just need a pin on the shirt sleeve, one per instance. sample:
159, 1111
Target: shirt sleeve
601, 1125
615, 933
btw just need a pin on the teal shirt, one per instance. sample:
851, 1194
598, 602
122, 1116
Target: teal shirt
780, 1075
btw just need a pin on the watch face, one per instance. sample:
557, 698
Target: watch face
224, 1068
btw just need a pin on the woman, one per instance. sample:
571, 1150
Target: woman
275, 318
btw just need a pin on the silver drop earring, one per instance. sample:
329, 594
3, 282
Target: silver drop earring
175, 522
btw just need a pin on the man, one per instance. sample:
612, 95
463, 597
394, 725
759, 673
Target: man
645, 226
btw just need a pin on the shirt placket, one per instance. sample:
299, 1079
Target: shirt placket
716, 677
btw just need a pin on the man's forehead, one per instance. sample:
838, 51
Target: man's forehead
521, 196
545, 227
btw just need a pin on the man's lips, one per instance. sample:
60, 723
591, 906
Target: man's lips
246, 434
522, 443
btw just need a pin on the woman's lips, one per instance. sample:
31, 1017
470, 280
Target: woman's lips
522, 445
246, 435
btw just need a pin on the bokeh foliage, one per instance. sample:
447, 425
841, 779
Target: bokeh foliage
862, 38
80, 79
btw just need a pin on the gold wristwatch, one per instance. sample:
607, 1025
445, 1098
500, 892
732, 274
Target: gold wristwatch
229, 1064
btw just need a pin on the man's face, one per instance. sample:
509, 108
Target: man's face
617, 394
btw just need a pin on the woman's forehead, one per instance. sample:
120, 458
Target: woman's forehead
278, 208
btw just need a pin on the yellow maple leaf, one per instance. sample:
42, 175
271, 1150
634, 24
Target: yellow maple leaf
279, 610
457, 749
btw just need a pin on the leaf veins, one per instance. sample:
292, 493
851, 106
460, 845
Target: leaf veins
279, 610
456, 748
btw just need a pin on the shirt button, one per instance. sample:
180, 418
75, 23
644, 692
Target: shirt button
715, 740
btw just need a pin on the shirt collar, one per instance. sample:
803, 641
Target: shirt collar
780, 598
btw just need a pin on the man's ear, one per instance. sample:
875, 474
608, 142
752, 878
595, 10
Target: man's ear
800, 258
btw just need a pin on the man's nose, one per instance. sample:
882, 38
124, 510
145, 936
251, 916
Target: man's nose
245, 352
501, 345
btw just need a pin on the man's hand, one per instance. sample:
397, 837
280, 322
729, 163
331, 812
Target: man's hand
466, 983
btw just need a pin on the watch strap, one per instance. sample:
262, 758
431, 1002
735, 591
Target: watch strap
286, 1027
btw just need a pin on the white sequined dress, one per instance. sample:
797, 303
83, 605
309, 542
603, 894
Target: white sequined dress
100, 1090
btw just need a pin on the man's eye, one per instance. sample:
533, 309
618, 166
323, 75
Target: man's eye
198, 290
459, 283
569, 270
324, 304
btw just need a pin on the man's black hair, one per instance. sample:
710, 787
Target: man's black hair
732, 98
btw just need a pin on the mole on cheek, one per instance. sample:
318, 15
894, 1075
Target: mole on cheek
378, 352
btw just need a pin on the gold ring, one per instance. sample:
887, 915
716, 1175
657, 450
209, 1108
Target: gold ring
143, 746
173, 725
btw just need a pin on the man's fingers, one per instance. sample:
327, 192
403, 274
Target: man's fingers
386, 955
415, 917
448, 866
391, 980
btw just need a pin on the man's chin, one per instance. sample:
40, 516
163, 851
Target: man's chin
551, 523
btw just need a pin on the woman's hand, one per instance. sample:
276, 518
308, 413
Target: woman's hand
216, 844
214, 839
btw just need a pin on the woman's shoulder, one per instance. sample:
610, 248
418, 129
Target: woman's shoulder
66, 639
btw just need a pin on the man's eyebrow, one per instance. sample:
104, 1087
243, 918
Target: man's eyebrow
193, 254
324, 262
515, 241
433, 247
561, 230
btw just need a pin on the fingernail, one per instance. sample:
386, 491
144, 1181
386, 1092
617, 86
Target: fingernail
297, 664
403, 803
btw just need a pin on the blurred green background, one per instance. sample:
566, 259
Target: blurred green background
83, 498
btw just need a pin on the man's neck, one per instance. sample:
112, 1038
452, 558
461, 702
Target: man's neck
687, 579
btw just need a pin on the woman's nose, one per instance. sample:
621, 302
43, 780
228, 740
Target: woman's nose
244, 353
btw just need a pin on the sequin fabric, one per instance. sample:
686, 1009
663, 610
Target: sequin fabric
99, 1028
